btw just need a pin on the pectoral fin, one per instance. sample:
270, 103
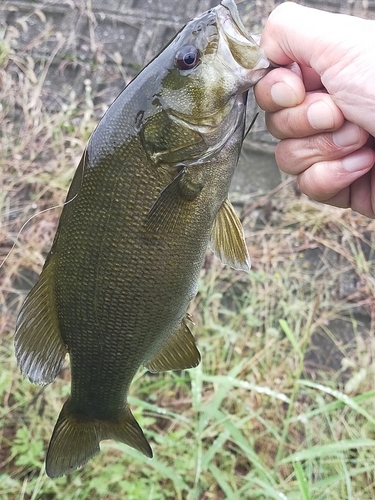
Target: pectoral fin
174, 203
228, 240
40, 350
178, 353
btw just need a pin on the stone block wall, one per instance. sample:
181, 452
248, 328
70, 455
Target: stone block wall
98, 46
104, 44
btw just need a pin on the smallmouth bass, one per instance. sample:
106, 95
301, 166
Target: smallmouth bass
149, 195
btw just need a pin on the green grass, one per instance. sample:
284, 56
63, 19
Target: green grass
282, 406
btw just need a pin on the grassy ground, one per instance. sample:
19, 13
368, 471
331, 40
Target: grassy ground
282, 406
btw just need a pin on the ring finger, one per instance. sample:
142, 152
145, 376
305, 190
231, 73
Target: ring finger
296, 155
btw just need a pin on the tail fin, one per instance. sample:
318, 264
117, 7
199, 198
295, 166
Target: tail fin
74, 442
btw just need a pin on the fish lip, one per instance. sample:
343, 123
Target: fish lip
232, 28
231, 14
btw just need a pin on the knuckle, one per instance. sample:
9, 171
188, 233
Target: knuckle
322, 146
282, 124
288, 158
315, 186
288, 123
272, 125
262, 95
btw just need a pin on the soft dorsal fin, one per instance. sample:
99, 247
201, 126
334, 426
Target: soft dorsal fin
40, 350
228, 240
178, 353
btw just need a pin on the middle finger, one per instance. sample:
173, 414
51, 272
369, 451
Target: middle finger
317, 113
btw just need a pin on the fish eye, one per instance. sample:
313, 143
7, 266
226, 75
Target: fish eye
187, 57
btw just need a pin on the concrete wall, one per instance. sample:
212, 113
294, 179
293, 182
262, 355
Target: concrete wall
109, 41
98, 46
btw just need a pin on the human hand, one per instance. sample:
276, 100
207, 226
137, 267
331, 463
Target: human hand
323, 108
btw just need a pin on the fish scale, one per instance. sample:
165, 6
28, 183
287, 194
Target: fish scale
148, 197
115, 283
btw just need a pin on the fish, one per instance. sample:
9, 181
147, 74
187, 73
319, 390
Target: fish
149, 196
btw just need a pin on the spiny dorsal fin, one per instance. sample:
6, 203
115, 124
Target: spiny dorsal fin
228, 240
178, 353
40, 350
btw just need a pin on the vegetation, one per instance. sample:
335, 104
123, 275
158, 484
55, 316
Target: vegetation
283, 404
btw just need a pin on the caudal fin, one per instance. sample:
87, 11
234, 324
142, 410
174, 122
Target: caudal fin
74, 442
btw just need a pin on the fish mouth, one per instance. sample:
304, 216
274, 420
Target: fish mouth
243, 47
235, 18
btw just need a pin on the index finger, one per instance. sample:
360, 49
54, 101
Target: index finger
280, 88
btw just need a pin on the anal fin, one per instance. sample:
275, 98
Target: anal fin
228, 240
178, 353
40, 350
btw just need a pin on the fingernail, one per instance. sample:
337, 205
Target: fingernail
320, 116
283, 95
348, 135
360, 160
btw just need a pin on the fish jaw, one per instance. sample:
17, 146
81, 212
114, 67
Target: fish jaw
238, 49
